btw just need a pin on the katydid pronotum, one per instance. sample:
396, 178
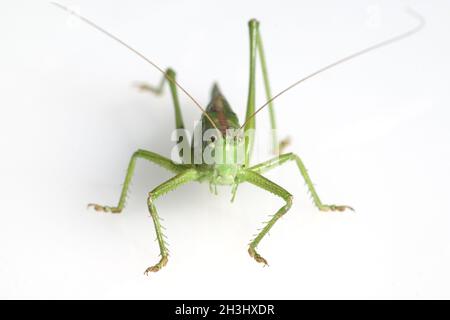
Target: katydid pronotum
228, 136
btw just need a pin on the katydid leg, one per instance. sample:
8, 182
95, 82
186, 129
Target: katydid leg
264, 183
249, 129
256, 48
278, 161
142, 154
179, 123
169, 185
278, 146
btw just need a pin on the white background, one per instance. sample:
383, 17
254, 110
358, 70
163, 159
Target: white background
373, 133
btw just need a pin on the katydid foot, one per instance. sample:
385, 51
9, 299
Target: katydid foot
283, 145
255, 255
100, 208
162, 263
333, 207
142, 86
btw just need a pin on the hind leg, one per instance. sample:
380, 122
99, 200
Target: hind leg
277, 145
158, 90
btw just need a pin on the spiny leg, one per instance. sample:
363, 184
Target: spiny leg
278, 161
264, 183
143, 154
169, 185
158, 90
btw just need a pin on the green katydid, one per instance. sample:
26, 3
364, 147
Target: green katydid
219, 117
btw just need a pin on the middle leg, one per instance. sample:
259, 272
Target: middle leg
143, 154
278, 161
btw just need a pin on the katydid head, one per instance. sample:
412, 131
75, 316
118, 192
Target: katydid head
227, 153
223, 148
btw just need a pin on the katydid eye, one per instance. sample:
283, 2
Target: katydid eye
213, 139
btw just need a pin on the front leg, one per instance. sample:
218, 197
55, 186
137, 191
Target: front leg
143, 154
278, 161
264, 183
169, 185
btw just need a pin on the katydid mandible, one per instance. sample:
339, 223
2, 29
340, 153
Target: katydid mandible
220, 117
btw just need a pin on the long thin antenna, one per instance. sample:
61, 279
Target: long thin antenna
110, 35
347, 58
